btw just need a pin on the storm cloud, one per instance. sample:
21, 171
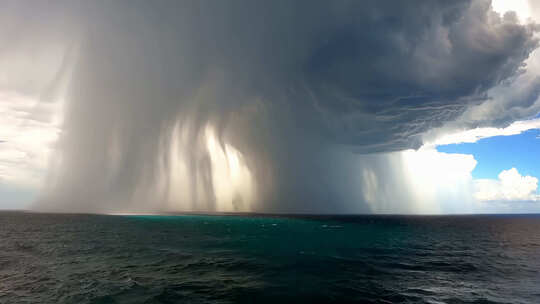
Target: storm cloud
297, 94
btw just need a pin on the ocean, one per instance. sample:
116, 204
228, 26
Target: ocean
66, 258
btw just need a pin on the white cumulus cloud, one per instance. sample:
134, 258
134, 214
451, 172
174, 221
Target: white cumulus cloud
511, 186
28, 130
474, 135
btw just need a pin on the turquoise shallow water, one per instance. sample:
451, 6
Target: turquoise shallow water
52, 258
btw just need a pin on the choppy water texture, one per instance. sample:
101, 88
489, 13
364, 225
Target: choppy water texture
48, 258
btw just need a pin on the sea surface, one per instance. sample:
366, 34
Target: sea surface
61, 258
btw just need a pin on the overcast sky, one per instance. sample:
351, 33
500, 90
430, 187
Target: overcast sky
272, 106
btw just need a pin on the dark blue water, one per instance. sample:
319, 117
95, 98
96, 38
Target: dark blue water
48, 258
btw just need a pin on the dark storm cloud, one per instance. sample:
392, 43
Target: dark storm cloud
296, 86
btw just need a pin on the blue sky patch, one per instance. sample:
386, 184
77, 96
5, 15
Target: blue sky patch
498, 153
